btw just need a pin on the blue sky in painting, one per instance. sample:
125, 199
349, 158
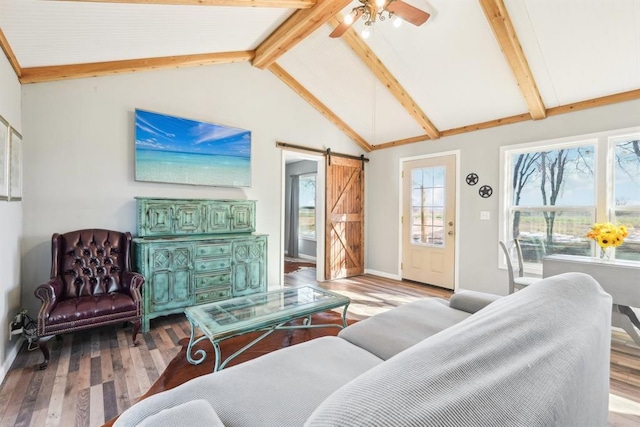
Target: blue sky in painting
160, 132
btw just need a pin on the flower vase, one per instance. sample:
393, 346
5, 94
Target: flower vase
605, 254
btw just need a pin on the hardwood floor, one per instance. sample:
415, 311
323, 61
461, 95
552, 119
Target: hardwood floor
95, 375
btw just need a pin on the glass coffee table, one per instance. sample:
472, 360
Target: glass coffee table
268, 312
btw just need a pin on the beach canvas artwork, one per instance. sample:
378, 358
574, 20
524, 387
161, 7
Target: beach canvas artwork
177, 150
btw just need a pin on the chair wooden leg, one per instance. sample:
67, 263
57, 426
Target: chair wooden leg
136, 329
42, 343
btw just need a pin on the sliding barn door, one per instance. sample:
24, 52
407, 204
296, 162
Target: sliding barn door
344, 242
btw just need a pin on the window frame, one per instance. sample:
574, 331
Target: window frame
300, 207
604, 169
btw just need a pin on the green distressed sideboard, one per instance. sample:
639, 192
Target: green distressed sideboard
195, 251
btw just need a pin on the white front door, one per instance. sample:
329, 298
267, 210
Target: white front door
428, 220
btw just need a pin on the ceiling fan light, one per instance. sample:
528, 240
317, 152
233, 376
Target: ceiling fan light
365, 33
397, 22
348, 19
380, 3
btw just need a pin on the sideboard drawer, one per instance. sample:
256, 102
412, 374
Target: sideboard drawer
213, 250
212, 264
213, 280
213, 295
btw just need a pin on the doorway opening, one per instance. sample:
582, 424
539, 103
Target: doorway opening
303, 215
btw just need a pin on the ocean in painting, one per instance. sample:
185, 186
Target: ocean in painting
183, 151
189, 168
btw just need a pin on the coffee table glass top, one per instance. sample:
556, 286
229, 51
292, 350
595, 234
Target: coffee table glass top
252, 312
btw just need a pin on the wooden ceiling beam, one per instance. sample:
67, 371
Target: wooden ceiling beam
563, 109
288, 4
596, 102
505, 33
95, 69
294, 30
315, 103
385, 77
8, 52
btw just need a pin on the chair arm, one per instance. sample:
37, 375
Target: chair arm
471, 301
49, 293
133, 282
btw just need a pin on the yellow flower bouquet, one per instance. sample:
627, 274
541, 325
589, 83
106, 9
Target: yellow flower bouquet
607, 235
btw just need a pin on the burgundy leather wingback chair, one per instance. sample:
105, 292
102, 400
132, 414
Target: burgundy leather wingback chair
91, 285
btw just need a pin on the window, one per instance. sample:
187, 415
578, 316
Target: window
555, 191
307, 210
427, 206
626, 193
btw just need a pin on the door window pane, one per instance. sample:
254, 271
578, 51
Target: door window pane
427, 210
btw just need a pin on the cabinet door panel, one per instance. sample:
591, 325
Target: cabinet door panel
255, 274
171, 285
218, 218
242, 219
181, 287
188, 218
158, 220
249, 266
160, 285
240, 285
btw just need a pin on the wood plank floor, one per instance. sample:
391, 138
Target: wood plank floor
97, 374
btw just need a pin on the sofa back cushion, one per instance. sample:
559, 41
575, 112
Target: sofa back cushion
537, 357
90, 262
387, 334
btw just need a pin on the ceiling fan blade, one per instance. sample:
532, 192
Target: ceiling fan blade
345, 25
411, 14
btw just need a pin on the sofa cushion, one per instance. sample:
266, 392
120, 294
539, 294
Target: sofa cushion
90, 307
387, 334
536, 357
197, 413
278, 389
471, 301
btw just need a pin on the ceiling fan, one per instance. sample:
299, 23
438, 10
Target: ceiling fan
370, 10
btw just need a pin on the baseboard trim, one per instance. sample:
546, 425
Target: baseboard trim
13, 353
383, 274
304, 256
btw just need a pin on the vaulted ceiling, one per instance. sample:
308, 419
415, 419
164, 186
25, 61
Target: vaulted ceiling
474, 64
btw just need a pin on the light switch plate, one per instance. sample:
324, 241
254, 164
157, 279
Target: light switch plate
486, 215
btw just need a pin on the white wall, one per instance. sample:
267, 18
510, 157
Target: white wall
10, 226
80, 150
480, 152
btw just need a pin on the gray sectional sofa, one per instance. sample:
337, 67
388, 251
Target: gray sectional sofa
539, 357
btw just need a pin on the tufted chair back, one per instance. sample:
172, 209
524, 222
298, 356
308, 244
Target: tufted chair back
90, 262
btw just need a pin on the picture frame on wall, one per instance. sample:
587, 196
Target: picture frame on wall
176, 150
15, 165
4, 159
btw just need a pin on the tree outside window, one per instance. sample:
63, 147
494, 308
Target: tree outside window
556, 191
307, 207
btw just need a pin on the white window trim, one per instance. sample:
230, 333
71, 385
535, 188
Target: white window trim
604, 197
